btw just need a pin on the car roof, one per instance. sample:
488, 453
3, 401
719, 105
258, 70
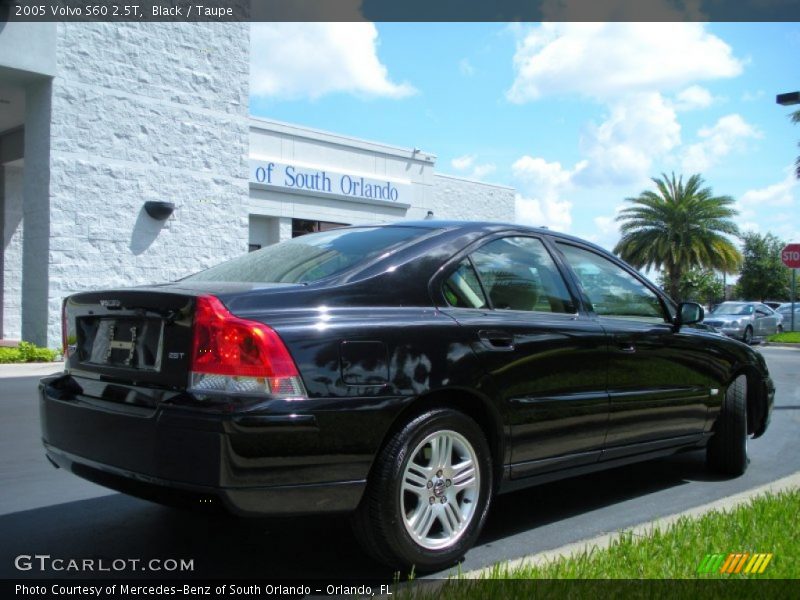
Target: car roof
487, 227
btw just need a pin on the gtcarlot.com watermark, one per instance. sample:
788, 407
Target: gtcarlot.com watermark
45, 563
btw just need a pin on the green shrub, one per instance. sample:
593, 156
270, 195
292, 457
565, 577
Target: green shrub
27, 352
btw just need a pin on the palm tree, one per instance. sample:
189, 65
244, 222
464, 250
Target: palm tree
676, 227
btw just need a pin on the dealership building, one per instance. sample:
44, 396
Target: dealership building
128, 156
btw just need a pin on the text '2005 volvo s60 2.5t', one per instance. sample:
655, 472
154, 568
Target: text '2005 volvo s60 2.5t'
402, 373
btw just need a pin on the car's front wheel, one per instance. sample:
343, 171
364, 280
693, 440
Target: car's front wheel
747, 338
428, 494
779, 330
727, 449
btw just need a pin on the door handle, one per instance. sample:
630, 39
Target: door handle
626, 346
500, 341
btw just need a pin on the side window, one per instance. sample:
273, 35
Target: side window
462, 288
519, 274
611, 289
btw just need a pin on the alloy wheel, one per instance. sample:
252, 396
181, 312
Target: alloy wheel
440, 488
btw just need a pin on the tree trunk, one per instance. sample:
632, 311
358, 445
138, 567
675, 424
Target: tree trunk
674, 291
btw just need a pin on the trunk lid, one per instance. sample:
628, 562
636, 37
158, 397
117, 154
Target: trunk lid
141, 336
136, 336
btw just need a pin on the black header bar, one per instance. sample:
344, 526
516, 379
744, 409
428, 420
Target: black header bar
399, 10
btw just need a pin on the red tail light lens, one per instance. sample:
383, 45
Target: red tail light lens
231, 354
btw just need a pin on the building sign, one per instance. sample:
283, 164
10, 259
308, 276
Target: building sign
314, 180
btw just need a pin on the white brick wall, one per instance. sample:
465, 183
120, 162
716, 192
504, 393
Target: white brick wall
12, 253
464, 199
155, 111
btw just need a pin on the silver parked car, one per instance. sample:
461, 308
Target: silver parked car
785, 310
745, 320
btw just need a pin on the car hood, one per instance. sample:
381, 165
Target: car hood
727, 318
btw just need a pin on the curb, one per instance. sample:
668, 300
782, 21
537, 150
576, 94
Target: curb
780, 345
603, 541
30, 369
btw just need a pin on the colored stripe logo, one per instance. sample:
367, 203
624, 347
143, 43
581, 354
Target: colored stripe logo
735, 562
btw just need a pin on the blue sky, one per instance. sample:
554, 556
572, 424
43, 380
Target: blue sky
576, 117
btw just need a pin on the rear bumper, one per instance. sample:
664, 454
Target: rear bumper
275, 460
285, 500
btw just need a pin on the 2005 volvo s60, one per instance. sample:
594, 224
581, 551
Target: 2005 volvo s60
403, 373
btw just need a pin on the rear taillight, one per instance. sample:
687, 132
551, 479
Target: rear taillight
234, 355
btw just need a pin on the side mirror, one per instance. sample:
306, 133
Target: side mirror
689, 313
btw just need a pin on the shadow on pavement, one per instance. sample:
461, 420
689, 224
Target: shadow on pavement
118, 526
560, 500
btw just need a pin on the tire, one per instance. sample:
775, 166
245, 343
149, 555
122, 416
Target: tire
747, 338
779, 330
409, 515
727, 449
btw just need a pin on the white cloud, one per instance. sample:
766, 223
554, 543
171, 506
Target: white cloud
543, 212
749, 227
309, 60
772, 208
778, 194
728, 134
756, 96
610, 60
761, 202
630, 68
467, 166
693, 97
606, 230
481, 171
462, 163
621, 150
541, 202
466, 67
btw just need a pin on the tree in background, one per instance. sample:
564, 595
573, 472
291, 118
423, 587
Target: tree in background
678, 227
763, 276
699, 285
795, 117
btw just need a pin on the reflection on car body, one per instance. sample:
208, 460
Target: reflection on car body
405, 374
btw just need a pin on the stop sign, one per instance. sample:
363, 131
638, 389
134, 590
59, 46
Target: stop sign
790, 255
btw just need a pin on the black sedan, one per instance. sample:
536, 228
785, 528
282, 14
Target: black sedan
404, 374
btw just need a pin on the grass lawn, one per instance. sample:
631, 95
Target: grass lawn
790, 337
766, 524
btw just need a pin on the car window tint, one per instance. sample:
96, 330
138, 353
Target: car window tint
313, 256
462, 288
611, 289
519, 274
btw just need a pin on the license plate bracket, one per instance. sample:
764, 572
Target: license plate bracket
122, 343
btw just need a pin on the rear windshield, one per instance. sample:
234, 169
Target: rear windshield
311, 257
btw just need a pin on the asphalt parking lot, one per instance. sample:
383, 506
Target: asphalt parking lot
48, 511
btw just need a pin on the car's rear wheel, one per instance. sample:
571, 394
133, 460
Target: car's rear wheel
428, 494
727, 449
747, 338
779, 330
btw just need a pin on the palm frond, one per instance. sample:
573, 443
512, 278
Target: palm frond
678, 225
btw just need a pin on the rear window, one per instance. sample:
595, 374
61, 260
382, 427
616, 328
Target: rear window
312, 257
